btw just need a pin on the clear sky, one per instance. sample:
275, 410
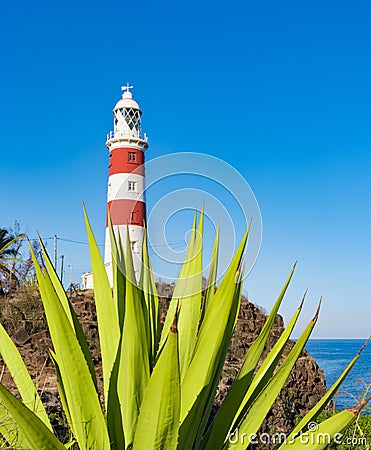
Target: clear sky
279, 90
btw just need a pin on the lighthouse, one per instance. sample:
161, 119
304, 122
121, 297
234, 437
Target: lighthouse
126, 179
126, 205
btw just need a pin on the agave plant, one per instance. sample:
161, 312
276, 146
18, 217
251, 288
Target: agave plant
158, 384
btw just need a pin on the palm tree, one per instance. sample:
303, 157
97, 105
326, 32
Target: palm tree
8, 256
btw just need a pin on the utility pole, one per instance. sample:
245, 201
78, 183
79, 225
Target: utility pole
55, 252
70, 287
62, 267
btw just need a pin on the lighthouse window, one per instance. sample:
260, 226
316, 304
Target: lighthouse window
132, 156
132, 186
132, 117
133, 245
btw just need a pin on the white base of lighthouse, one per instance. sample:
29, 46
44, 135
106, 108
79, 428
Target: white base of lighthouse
136, 238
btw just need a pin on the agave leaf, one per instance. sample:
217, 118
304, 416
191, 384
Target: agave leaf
38, 435
190, 302
143, 298
188, 293
61, 390
324, 434
118, 273
198, 381
180, 285
259, 409
62, 396
227, 339
255, 351
134, 370
55, 281
158, 422
268, 366
70, 312
193, 422
114, 416
148, 287
87, 419
21, 377
10, 433
220, 426
211, 280
318, 407
113, 413
230, 407
107, 314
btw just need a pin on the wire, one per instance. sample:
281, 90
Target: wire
171, 244
170, 249
167, 245
43, 239
76, 242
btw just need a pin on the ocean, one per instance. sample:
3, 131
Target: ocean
333, 355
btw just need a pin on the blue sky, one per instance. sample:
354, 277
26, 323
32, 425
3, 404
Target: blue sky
279, 90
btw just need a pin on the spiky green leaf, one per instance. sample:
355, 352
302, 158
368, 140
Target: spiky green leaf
255, 416
321, 404
148, 287
323, 434
10, 433
213, 271
227, 414
70, 312
198, 381
188, 293
134, 367
38, 435
180, 285
118, 273
21, 377
107, 313
87, 419
158, 421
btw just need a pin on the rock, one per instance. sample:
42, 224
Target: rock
21, 336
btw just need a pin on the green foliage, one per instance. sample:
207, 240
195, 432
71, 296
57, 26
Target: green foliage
9, 248
16, 271
159, 385
356, 436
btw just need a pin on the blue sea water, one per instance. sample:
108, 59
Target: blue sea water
333, 355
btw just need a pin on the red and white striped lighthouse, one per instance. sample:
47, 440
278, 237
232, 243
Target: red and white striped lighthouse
126, 181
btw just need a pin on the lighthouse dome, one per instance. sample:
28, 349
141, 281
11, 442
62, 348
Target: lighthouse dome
126, 101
